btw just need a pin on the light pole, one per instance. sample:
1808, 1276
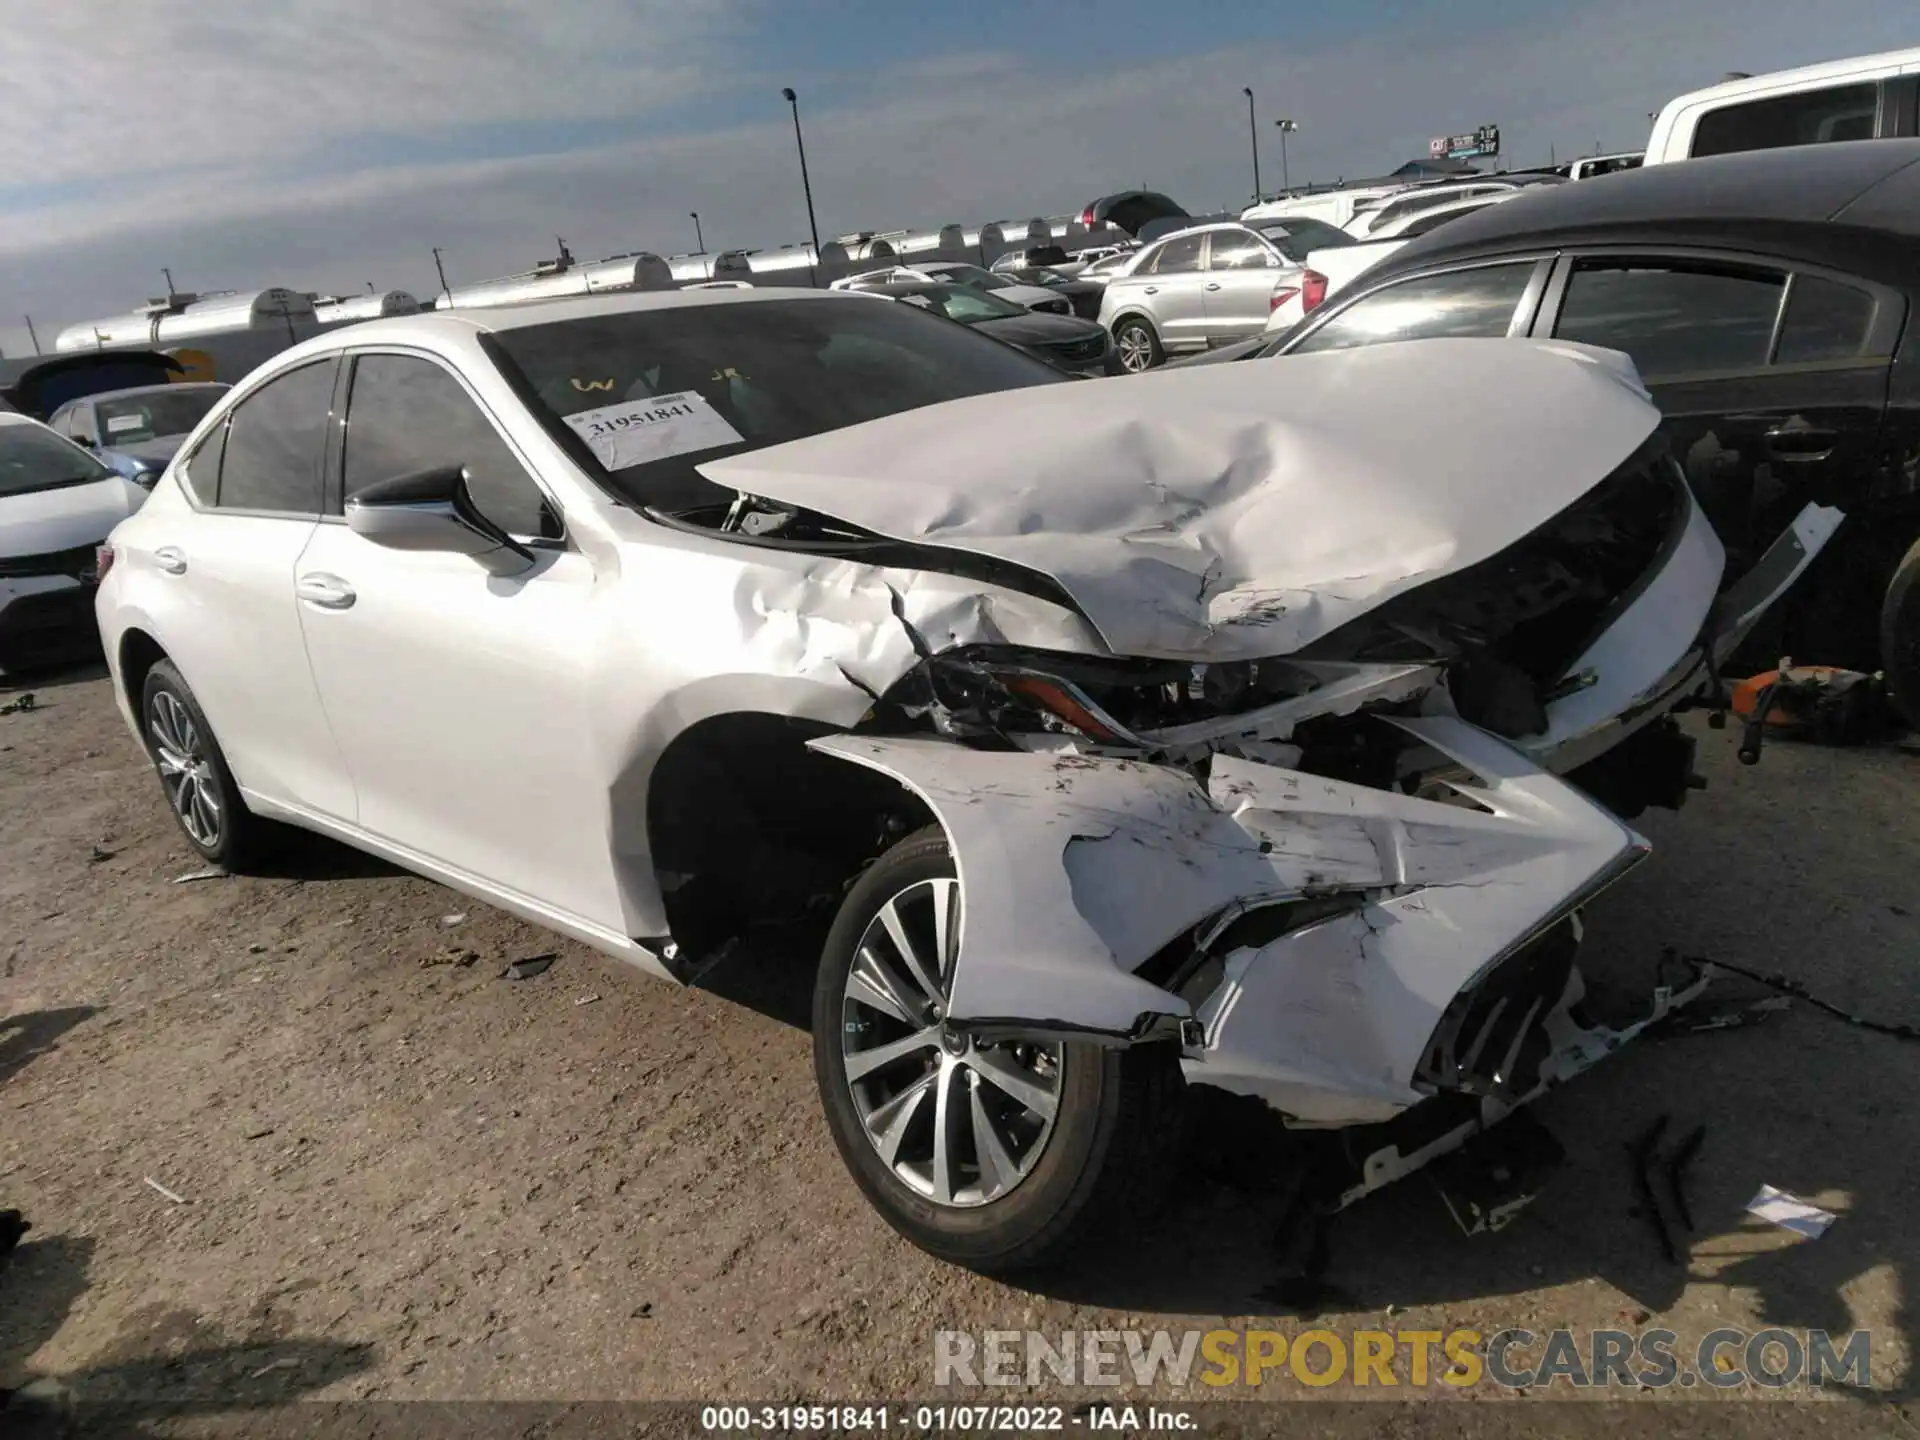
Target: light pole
805, 184
1253, 138
699, 240
1286, 128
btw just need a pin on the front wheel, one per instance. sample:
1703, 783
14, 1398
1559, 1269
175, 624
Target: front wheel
997, 1156
1900, 637
1138, 346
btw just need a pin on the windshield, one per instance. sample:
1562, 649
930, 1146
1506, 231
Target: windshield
134, 419
34, 458
970, 275
653, 393
962, 303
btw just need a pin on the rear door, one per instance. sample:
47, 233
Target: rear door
1773, 382
1241, 271
218, 578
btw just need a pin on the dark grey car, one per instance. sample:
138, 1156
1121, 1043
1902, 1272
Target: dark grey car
1074, 345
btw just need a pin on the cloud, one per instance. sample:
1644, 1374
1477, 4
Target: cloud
967, 137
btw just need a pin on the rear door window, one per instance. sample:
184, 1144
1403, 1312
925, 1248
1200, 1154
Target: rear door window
1233, 251
1826, 320
276, 444
1806, 117
1472, 303
1674, 320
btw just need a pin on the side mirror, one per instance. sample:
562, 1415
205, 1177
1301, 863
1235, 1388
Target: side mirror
85, 442
431, 510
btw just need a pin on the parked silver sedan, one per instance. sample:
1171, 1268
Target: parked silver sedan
1211, 285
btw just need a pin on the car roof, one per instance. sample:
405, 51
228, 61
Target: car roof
1801, 76
1873, 184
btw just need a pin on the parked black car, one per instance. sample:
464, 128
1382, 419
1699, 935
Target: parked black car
1078, 346
1082, 295
1768, 301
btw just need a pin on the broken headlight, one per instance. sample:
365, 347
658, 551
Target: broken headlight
982, 692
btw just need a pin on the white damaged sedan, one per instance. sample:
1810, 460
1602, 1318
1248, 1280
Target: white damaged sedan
1142, 736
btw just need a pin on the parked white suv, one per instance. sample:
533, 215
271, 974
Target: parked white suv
1141, 736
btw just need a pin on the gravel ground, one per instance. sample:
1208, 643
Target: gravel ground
406, 1177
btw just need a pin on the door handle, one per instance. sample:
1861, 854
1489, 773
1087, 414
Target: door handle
1801, 444
1213, 285
1153, 289
172, 559
329, 592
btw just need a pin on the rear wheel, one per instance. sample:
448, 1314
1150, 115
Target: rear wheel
997, 1156
1139, 347
1900, 637
194, 777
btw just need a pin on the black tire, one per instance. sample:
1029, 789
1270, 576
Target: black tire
239, 840
1900, 637
1104, 1167
1138, 335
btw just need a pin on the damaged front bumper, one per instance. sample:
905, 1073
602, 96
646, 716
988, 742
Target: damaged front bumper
1341, 953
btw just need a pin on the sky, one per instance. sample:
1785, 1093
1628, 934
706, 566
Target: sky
329, 144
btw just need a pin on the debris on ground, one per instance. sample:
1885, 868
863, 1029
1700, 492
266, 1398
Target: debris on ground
260, 1134
161, 1189
23, 701
528, 968
586, 1000
1646, 1162
1692, 1021
1493, 1177
1784, 985
12, 1226
99, 853
212, 872
1817, 703
451, 955
1790, 1212
459, 917
286, 1363
256, 948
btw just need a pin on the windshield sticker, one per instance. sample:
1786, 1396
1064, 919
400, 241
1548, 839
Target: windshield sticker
116, 424
638, 431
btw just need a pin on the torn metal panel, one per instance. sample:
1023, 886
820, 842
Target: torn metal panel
1076, 869
1330, 1023
1215, 513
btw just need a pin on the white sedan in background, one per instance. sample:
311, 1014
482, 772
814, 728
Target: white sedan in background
1144, 738
57, 505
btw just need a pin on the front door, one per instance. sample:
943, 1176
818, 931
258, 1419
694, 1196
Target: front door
459, 695
1174, 292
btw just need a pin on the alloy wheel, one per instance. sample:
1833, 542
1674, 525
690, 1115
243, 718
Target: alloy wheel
186, 770
959, 1122
1136, 349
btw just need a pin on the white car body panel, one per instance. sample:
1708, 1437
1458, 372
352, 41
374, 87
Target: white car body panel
501, 732
1213, 515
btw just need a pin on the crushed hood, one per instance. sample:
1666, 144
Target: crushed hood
1235, 511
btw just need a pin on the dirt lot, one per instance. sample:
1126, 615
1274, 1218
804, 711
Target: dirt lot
409, 1178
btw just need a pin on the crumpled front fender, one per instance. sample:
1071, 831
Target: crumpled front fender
1075, 870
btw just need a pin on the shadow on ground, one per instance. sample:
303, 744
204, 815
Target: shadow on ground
24, 1038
